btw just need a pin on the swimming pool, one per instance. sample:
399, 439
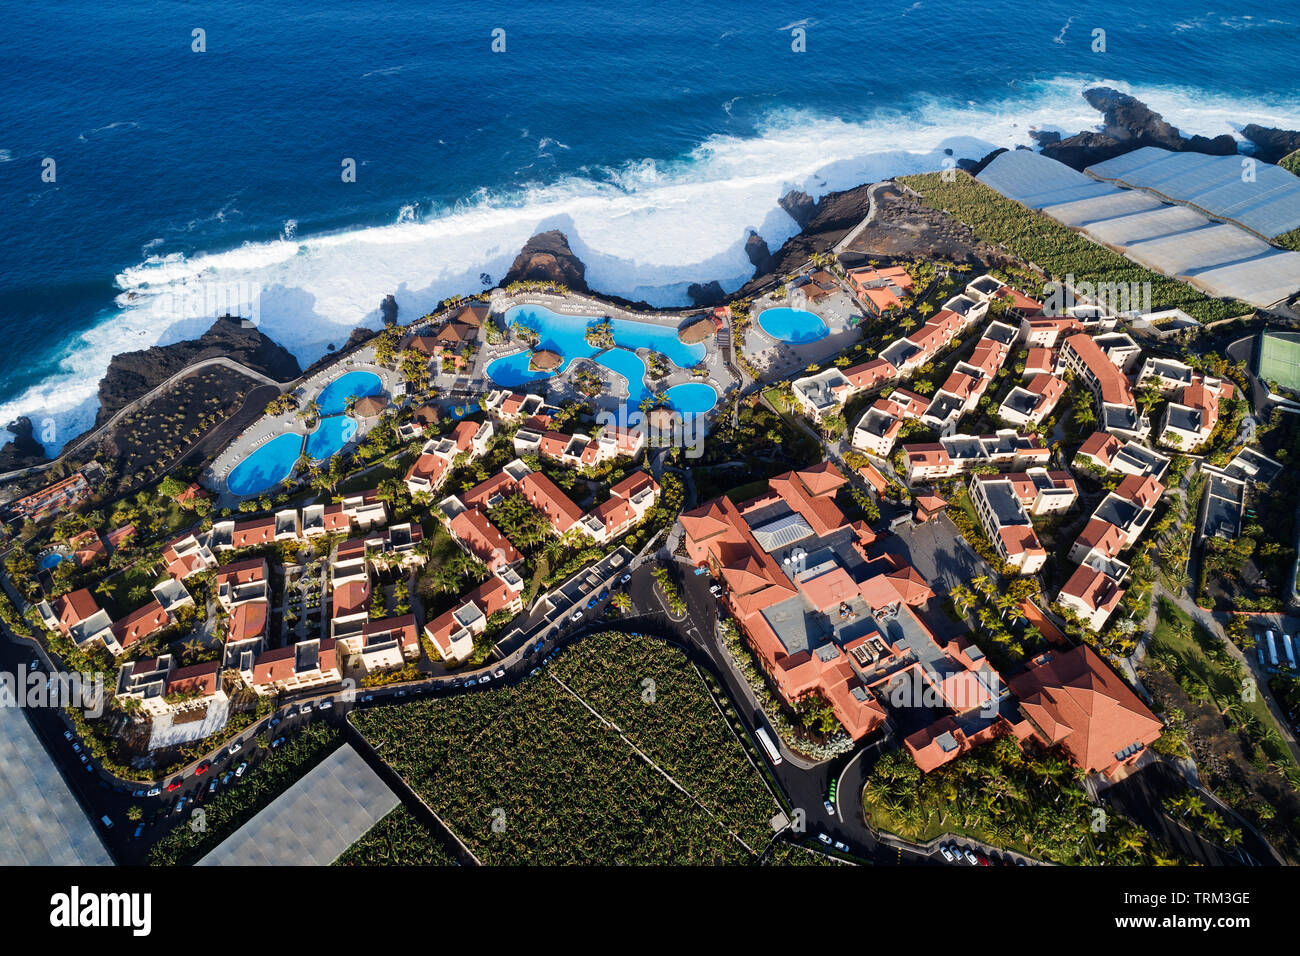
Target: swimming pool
333, 398
793, 325
329, 437
52, 560
567, 335
629, 365
691, 398
267, 466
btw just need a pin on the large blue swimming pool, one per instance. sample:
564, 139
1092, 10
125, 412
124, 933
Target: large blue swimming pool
329, 437
53, 560
793, 325
267, 466
567, 335
691, 398
333, 398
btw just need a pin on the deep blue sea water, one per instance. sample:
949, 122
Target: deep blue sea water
655, 134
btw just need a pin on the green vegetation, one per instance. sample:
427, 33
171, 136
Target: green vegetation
1002, 797
1207, 673
399, 839
231, 808
529, 775
1054, 248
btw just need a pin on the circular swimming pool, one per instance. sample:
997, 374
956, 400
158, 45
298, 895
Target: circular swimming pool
266, 466
691, 398
793, 325
333, 398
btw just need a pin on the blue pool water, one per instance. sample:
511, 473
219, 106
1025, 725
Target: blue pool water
329, 437
691, 398
267, 466
52, 560
793, 325
629, 365
333, 398
567, 335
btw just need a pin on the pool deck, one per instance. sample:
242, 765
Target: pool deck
775, 359
559, 389
271, 426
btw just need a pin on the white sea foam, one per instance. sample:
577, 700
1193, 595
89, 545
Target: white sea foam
646, 230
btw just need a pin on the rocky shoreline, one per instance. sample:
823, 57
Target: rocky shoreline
1127, 124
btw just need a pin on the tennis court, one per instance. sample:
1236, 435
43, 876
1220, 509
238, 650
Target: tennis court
1279, 359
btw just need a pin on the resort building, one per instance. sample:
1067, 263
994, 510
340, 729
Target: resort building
321, 519
820, 616
188, 554
878, 428
172, 595
246, 633
453, 632
1040, 361
387, 644
513, 407
1189, 420
1100, 362
1005, 503
1119, 520
629, 502
880, 290
544, 495
958, 454
1034, 401
303, 666
581, 451
1106, 453
60, 496
480, 537
242, 581
1072, 699
1045, 332
87, 547
1094, 590
141, 623
162, 689
439, 455
823, 393
77, 616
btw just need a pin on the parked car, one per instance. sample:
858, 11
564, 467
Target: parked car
67, 735
577, 615
276, 742
327, 704
368, 698
592, 603
138, 793
153, 792
227, 778
624, 579
842, 847
180, 805
830, 807
947, 853
107, 821
604, 594
539, 645
202, 768
274, 721
239, 771
306, 708
236, 747
499, 672
138, 831
970, 856
174, 785
84, 758
824, 838
76, 748
212, 787
715, 590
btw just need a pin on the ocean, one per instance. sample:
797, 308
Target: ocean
655, 135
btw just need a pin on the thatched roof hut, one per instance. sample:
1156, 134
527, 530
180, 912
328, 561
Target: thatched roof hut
544, 360
370, 406
697, 331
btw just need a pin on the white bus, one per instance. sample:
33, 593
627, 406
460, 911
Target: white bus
1272, 650
773, 754
1290, 651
